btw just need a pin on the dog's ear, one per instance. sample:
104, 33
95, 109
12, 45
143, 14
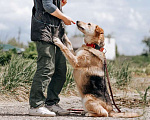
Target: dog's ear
100, 33
97, 31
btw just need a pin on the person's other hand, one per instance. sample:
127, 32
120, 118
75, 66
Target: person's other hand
68, 20
63, 2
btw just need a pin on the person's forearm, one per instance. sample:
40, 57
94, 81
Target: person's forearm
53, 10
57, 13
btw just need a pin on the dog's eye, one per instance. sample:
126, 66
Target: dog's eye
89, 23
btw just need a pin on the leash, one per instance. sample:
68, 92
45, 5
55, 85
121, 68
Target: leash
76, 111
80, 111
106, 71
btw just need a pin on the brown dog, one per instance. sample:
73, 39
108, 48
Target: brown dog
89, 72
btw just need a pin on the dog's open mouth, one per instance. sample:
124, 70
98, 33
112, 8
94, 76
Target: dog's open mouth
79, 27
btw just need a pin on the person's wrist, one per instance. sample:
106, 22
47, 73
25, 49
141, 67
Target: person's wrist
63, 17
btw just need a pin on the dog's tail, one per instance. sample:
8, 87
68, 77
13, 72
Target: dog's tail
123, 115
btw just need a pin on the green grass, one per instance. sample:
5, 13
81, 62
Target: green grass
69, 84
19, 72
123, 75
138, 61
119, 71
144, 95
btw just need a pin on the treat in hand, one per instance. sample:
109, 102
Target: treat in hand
63, 2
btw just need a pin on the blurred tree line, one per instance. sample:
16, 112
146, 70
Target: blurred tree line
146, 41
29, 53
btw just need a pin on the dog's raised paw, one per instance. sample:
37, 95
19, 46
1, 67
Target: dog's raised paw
57, 41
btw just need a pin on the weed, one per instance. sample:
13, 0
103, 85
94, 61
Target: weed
19, 72
120, 72
147, 71
69, 80
144, 96
123, 75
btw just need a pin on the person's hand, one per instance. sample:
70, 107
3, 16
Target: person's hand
68, 20
63, 2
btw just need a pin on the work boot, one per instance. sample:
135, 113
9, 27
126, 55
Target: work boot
57, 109
41, 111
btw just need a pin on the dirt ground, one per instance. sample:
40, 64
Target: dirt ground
15, 107
13, 110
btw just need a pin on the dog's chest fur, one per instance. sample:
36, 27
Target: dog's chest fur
89, 57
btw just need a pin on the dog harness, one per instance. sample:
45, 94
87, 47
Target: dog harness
95, 46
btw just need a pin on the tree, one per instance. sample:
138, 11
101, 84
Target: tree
15, 43
146, 41
30, 51
117, 53
109, 36
12, 41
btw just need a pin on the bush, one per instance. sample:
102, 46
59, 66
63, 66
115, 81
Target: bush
120, 72
147, 71
69, 79
140, 61
123, 75
30, 52
19, 72
5, 57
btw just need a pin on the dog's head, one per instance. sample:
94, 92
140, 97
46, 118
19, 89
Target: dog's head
93, 33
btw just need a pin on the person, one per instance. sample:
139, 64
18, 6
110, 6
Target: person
48, 21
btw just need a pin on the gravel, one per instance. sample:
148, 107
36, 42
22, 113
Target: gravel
13, 110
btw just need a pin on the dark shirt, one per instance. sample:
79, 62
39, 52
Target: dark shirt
45, 26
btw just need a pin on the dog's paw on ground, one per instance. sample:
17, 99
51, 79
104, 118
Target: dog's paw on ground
88, 114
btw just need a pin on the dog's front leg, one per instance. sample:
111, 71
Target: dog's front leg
68, 44
71, 58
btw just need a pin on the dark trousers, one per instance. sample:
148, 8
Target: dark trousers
50, 75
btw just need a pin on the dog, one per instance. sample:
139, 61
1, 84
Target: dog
88, 65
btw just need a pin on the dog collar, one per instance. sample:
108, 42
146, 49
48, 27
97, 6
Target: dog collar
97, 47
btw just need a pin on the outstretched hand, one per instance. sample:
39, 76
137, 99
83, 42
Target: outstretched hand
68, 21
63, 2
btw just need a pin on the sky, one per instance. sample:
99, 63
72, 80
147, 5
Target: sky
128, 21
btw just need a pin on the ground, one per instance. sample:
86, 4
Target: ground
14, 110
14, 105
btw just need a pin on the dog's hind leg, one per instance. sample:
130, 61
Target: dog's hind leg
91, 114
94, 108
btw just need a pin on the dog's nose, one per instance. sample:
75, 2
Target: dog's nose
77, 22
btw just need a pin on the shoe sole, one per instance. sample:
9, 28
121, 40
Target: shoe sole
41, 115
